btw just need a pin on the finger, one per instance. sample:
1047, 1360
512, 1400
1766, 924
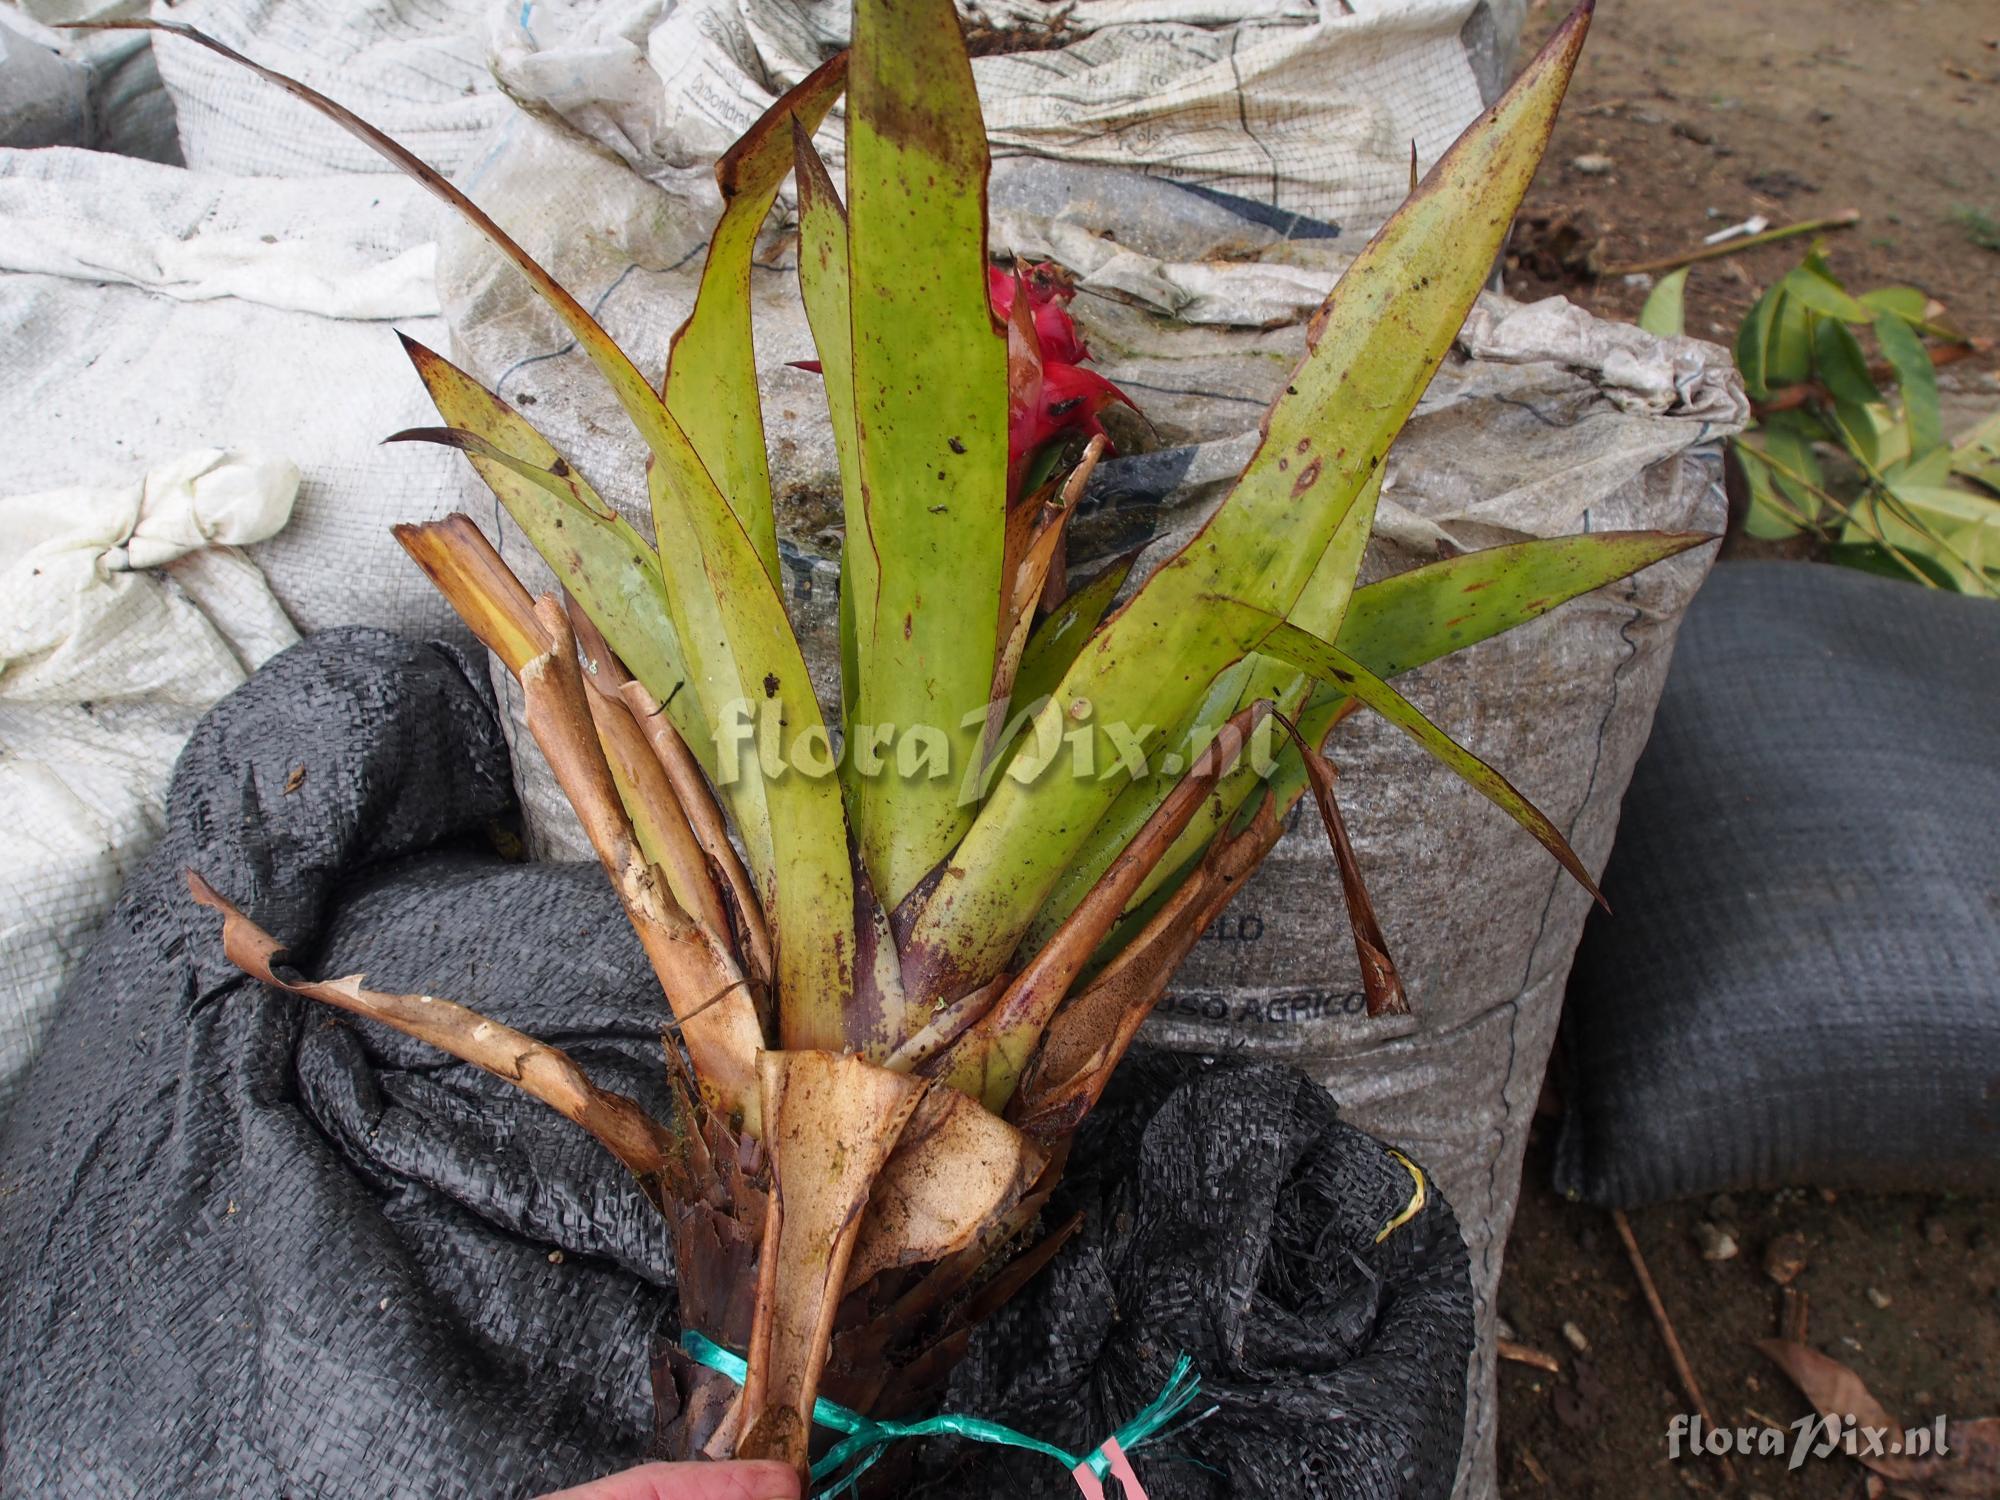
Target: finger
703, 1481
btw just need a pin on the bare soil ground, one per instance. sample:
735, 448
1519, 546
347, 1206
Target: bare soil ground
1903, 1289
1775, 107
1793, 111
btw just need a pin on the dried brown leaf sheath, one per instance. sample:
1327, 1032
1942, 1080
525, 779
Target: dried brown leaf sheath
832, 1122
548, 1074
703, 984
956, 1169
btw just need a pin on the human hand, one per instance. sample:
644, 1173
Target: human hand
703, 1481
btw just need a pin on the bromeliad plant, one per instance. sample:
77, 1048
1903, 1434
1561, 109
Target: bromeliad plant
900, 975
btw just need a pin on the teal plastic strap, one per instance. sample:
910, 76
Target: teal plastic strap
866, 1438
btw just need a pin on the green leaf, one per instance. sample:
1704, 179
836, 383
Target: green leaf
1778, 507
1813, 286
1790, 444
1665, 312
1753, 342
1414, 618
823, 288
1843, 368
1930, 469
1321, 607
1769, 516
930, 405
1337, 669
1788, 357
598, 556
1138, 798
711, 384
1905, 302
1956, 529
1870, 557
1371, 350
1057, 640
1976, 455
750, 675
1905, 351
1859, 431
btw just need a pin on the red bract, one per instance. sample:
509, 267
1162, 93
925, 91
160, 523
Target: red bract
1049, 395
1048, 296
1071, 399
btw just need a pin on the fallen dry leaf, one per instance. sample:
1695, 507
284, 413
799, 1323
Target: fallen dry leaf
1967, 1469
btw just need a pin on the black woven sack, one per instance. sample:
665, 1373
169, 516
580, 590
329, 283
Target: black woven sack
1802, 981
253, 1248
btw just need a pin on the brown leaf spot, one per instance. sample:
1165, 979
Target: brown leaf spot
1308, 477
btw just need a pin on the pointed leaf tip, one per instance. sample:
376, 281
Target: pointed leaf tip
1335, 667
1380, 982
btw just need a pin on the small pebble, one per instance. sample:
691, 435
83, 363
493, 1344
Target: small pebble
1937, 1232
1880, 1298
1591, 166
1716, 1243
1574, 1336
555, 1257
1785, 1258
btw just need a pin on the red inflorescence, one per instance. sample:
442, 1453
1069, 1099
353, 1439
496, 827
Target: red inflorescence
1049, 394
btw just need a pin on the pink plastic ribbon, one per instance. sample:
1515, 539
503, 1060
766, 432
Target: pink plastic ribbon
1121, 1470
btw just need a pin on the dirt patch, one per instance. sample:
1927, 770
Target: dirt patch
1905, 1290
1889, 107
